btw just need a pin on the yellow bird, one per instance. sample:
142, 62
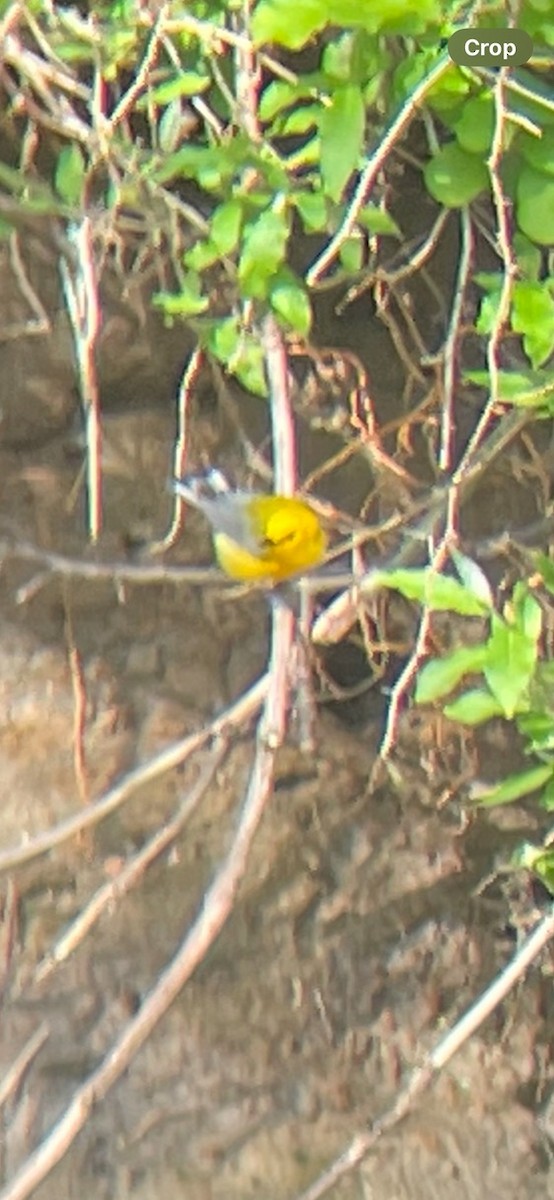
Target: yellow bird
255, 537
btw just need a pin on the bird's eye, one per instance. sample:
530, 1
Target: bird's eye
284, 538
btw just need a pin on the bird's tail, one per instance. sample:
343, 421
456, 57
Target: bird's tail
201, 486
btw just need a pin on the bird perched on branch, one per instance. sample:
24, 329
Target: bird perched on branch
255, 536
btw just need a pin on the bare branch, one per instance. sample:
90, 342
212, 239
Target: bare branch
80, 284
172, 756
372, 168
133, 870
423, 1076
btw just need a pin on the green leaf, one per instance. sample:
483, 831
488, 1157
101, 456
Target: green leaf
535, 205
188, 83
202, 255
351, 254
223, 338
440, 593
546, 567
290, 301
511, 661
523, 389
263, 251
529, 258
475, 127
448, 95
536, 859
395, 16
304, 118
210, 165
541, 6
543, 866
538, 107
290, 23
170, 127
527, 612
186, 303
533, 316
312, 209
341, 129
225, 225
454, 178
239, 351
473, 708
490, 281
186, 163
73, 52
473, 577
538, 152
376, 220
352, 57
488, 312
440, 676
249, 366
280, 94
547, 798
538, 728
308, 155
516, 786
70, 174
532, 312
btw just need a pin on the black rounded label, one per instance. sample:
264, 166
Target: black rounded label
490, 47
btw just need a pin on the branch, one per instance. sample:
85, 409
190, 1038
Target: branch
172, 756
134, 869
372, 168
421, 1078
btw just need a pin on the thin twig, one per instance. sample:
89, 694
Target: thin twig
79, 706
40, 322
215, 909
414, 260
502, 209
141, 75
9, 931
516, 86
133, 870
372, 168
172, 756
469, 460
248, 78
399, 692
282, 420
418, 257
11, 1081
80, 284
451, 343
39, 72
422, 1077
116, 572
185, 395
381, 296
12, 15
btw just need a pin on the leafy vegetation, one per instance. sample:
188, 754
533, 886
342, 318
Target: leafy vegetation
175, 101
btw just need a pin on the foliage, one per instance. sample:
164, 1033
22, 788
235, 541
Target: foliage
271, 153
503, 674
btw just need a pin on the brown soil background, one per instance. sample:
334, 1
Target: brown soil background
360, 932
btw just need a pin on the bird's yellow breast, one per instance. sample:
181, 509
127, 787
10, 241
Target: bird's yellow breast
285, 538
